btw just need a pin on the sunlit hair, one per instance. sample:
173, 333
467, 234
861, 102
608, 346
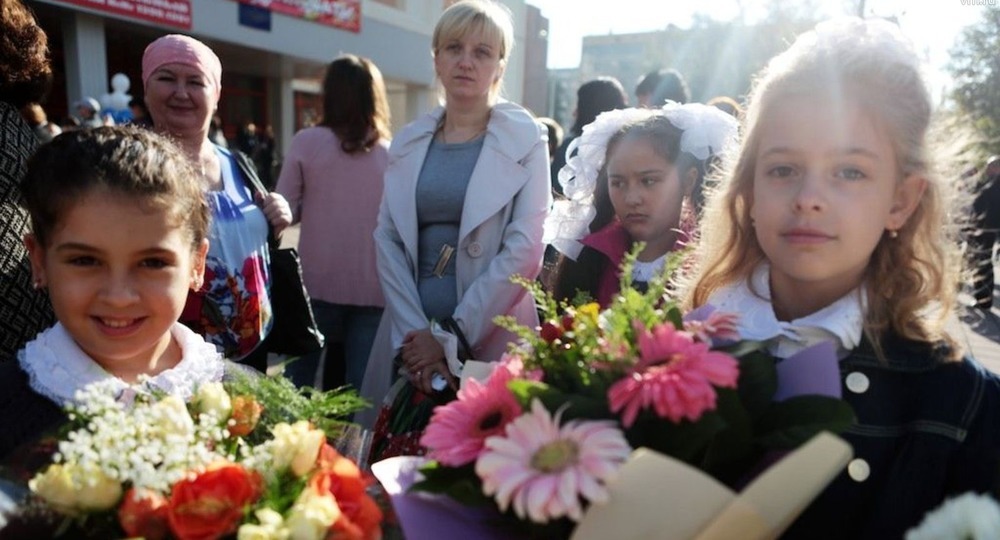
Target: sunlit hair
727, 105
121, 161
354, 103
869, 64
491, 19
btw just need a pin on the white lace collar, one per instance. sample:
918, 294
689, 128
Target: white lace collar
57, 367
841, 321
644, 272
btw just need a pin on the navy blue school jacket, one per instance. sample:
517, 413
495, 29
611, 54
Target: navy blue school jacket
927, 428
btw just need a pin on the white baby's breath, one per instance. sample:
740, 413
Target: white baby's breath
151, 445
969, 516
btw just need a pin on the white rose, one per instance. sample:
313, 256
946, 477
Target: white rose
172, 417
270, 528
213, 399
296, 446
260, 532
97, 491
312, 515
269, 518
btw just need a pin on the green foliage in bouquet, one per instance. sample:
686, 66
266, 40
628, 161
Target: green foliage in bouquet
282, 401
684, 386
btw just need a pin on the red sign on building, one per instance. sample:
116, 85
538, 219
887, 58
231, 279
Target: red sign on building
174, 13
344, 14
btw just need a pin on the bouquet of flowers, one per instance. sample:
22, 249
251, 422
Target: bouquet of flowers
248, 457
540, 441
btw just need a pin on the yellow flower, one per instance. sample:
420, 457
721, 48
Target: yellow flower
312, 515
69, 488
590, 311
296, 446
55, 485
213, 399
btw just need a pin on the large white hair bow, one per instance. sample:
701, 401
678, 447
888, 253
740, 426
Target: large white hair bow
706, 132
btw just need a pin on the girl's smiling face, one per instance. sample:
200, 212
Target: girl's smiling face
118, 274
826, 189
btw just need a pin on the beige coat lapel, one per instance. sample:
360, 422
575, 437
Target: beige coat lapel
401, 177
494, 182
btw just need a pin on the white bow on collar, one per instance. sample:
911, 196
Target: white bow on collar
841, 321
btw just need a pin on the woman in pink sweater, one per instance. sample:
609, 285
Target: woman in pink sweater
332, 178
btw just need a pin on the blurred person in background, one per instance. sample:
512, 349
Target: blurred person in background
592, 98
140, 115
215, 132
332, 178
555, 134
466, 193
246, 139
984, 237
35, 115
88, 112
182, 81
264, 156
659, 86
25, 76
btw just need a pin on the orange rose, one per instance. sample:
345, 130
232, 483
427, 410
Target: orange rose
246, 414
144, 514
341, 477
211, 505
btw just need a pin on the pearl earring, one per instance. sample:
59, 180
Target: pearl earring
893, 233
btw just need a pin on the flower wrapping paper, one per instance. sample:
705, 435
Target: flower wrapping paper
641, 507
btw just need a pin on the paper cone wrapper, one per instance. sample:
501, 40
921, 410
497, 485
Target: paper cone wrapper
654, 497
659, 497
426, 516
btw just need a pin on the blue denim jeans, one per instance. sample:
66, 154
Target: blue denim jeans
353, 327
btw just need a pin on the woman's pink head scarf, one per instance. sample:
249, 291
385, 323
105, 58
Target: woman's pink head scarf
181, 49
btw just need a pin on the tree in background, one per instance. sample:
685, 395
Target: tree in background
975, 67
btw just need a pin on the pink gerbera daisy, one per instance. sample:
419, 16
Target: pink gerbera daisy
456, 431
510, 367
719, 325
542, 469
674, 376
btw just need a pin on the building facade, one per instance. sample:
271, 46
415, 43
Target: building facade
535, 51
273, 52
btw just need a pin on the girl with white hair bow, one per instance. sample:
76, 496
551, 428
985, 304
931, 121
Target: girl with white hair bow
636, 177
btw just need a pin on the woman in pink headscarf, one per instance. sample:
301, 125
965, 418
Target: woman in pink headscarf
182, 81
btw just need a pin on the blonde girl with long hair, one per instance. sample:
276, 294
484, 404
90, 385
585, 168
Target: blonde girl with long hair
832, 226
